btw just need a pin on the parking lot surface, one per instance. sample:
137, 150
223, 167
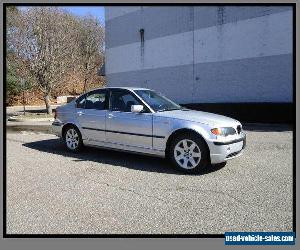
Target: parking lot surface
50, 190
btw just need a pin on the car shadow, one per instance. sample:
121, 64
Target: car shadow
260, 127
115, 158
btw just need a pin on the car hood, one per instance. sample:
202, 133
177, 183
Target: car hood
210, 119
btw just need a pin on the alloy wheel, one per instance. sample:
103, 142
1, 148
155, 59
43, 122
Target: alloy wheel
187, 154
72, 139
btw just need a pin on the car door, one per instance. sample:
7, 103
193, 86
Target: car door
91, 112
125, 127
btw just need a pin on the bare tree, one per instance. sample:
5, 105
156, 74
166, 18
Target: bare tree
16, 67
90, 44
44, 38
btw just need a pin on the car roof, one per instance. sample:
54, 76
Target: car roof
128, 88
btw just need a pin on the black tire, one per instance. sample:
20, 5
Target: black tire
77, 146
201, 163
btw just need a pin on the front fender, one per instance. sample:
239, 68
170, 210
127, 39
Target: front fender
168, 126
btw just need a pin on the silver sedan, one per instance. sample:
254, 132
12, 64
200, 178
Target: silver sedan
142, 121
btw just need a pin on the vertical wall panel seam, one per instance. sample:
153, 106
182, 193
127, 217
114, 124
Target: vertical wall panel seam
193, 79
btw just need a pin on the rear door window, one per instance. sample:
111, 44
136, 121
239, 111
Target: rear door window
97, 100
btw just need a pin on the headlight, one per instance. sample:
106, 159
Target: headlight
223, 131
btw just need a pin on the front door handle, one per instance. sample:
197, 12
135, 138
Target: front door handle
110, 116
80, 113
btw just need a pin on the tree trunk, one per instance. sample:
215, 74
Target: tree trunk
24, 102
47, 102
84, 85
23, 92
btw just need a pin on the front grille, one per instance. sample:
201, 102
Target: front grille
230, 131
239, 129
233, 154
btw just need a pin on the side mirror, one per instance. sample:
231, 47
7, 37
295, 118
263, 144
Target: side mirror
137, 108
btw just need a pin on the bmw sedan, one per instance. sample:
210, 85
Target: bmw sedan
142, 121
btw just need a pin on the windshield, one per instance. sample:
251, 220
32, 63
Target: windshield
156, 101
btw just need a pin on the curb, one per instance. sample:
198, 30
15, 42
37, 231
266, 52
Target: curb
44, 127
16, 119
30, 107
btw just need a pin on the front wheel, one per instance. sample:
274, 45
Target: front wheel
189, 153
72, 139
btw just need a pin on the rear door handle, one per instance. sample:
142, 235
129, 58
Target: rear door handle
80, 113
110, 116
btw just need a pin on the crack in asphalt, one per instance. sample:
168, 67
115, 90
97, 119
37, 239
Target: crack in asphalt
123, 189
205, 190
155, 197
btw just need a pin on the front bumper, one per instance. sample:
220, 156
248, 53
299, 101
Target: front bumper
221, 151
57, 128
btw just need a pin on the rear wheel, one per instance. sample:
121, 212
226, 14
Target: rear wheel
189, 153
72, 139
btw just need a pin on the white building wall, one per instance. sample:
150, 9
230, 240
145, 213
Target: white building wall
215, 59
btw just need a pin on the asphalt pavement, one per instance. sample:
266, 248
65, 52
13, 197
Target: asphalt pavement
50, 190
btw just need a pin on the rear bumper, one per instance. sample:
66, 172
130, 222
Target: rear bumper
223, 151
57, 128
